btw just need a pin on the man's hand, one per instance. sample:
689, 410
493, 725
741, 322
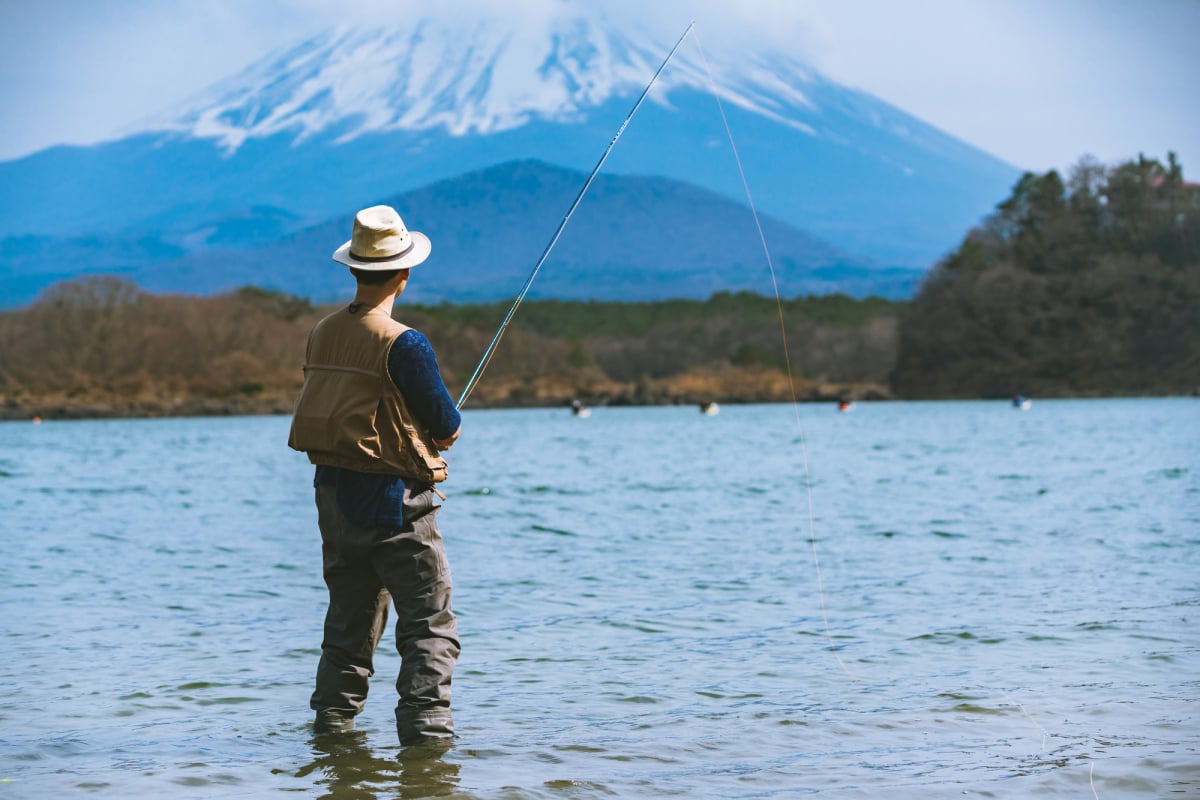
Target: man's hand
444, 444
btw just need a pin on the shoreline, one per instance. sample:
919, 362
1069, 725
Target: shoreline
500, 395
65, 409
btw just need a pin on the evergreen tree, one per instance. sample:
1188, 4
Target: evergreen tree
1091, 286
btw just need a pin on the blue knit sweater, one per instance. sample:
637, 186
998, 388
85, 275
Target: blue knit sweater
369, 499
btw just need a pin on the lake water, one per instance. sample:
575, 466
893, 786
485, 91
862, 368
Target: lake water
1014, 600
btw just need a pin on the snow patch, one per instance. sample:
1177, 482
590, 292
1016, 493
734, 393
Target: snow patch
479, 78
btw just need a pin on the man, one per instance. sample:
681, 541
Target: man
373, 416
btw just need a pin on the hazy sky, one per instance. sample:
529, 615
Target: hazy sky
1036, 82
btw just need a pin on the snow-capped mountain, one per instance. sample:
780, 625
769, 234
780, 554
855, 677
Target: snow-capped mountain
352, 116
352, 82
479, 79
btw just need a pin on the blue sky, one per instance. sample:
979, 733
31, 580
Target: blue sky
1038, 83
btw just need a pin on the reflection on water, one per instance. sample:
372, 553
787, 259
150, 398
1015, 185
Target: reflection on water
345, 768
1014, 596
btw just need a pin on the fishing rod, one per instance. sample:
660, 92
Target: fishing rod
491, 349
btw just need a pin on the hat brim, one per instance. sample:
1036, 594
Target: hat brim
420, 251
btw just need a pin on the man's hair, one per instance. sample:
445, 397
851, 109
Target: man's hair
374, 277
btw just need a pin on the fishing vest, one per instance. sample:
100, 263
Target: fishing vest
349, 413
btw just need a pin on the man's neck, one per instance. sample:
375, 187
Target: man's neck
368, 297
381, 296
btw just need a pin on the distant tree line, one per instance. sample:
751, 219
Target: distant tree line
1084, 287
833, 337
100, 344
100, 339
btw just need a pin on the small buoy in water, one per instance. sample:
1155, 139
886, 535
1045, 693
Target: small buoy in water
710, 408
36, 419
844, 405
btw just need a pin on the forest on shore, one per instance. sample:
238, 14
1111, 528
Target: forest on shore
1083, 287
99, 346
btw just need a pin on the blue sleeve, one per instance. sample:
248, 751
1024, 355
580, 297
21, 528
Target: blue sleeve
414, 369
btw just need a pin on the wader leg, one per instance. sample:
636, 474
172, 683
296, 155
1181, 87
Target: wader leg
412, 564
354, 622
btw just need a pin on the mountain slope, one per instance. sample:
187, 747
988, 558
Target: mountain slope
633, 238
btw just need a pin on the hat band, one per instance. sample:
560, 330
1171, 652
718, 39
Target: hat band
379, 259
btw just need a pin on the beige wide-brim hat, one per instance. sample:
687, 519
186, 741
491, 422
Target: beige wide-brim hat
380, 241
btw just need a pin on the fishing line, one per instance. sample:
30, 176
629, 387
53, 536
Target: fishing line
1047, 735
491, 349
787, 361
812, 538
473, 381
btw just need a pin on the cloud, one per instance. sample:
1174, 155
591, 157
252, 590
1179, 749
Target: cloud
78, 72
1037, 83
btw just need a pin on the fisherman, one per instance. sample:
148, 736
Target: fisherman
373, 416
